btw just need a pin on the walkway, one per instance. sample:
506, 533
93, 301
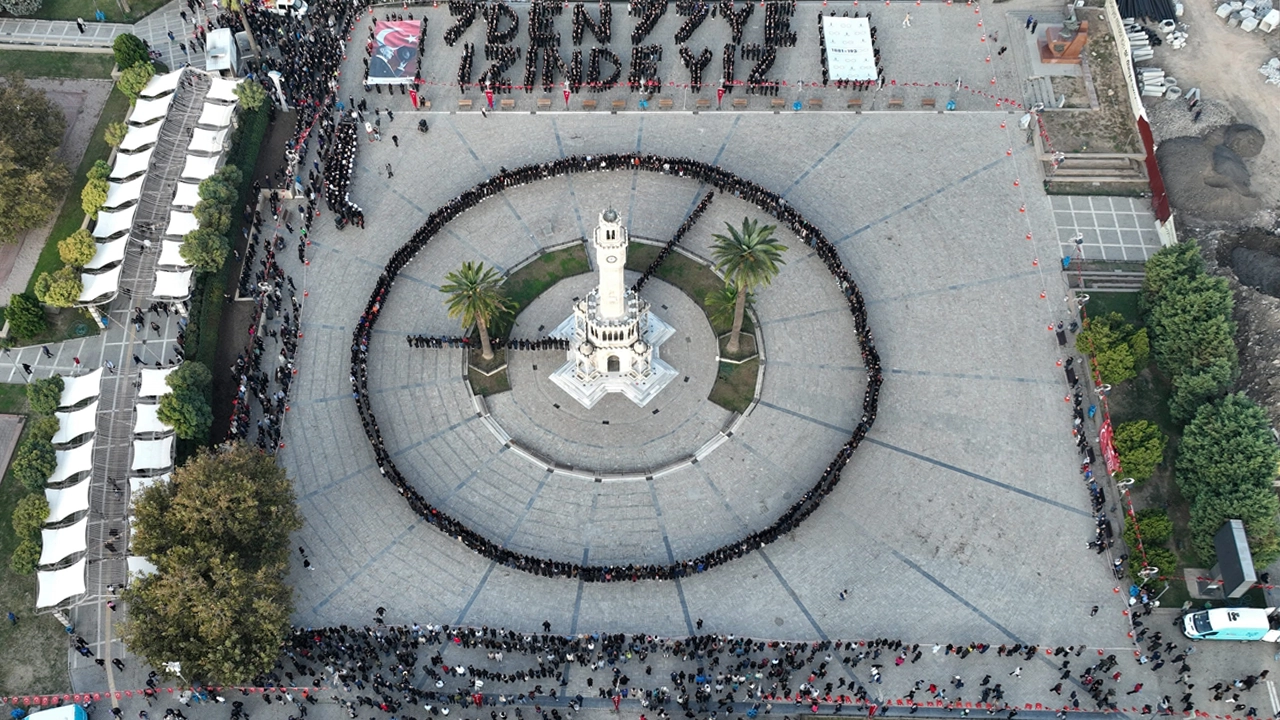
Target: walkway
61, 34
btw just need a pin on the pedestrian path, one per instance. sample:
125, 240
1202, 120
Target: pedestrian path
62, 34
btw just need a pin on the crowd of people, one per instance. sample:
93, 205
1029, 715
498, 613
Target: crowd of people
845, 83
647, 14
601, 30
725, 182
339, 166
498, 343
676, 237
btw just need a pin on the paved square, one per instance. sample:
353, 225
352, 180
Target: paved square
1114, 228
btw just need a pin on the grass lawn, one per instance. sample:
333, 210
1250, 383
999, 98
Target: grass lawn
530, 281
735, 385
36, 648
64, 325
1125, 303
34, 64
72, 9
693, 278
13, 399
71, 216
491, 385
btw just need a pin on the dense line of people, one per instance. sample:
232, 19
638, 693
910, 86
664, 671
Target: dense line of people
724, 181
859, 85
676, 237
498, 343
338, 169
601, 30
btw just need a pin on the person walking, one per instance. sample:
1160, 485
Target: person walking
906, 21
80, 25
1017, 672
1030, 19
27, 369
389, 173
45, 349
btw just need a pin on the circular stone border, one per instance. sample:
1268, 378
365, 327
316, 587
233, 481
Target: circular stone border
722, 180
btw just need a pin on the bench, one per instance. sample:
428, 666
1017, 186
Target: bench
895, 103
703, 103
664, 103
740, 103
928, 103
544, 103
508, 104
619, 105
815, 103
464, 104
588, 104
855, 103
777, 103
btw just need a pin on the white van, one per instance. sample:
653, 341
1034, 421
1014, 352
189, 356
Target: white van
1233, 624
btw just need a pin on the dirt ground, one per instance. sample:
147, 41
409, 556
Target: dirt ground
1223, 62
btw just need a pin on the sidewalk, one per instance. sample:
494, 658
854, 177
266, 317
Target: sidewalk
61, 34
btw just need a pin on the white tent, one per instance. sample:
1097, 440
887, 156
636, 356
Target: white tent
222, 90
140, 137
69, 462
145, 111
76, 390
100, 286
216, 115
148, 420
172, 285
207, 141
68, 501
114, 223
181, 223
152, 454
64, 542
72, 425
153, 382
161, 84
121, 193
108, 253
171, 255
138, 484
199, 168
188, 194
126, 166
58, 585
139, 566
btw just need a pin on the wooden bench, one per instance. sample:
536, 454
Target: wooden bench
544, 103
464, 104
815, 103
508, 104
895, 103
928, 103
777, 103
588, 104
664, 103
855, 103
740, 103
703, 103
619, 105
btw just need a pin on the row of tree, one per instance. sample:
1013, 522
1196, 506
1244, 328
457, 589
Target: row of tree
33, 462
206, 247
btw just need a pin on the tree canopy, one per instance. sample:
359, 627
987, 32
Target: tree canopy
20, 8
25, 316
93, 196
45, 394
205, 248
218, 532
1141, 447
1120, 349
31, 179
474, 298
187, 407
129, 51
749, 259
29, 515
133, 80
78, 248
33, 462
251, 95
114, 134
60, 288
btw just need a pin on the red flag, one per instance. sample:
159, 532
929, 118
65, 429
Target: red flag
566, 99
719, 95
617, 701
488, 96
413, 97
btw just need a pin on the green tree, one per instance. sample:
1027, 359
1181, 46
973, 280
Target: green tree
20, 8
29, 515
1190, 324
230, 176
205, 248
1141, 447
214, 190
1120, 349
721, 304
1156, 526
32, 181
114, 134
474, 298
93, 196
33, 462
251, 94
25, 558
1197, 386
749, 258
187, 407
134, 80
1175, 261
213, 216
129, 51
1255, 507
60, 288
25, 316
219, 534
78, 248
45, 395
42, 428
99, 170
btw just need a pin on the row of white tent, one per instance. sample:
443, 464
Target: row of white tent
150, 455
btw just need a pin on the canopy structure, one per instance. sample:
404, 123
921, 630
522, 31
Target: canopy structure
126, 166
148, 420
181, 223
121, 193
59, 585
62, 543
108, 253
217, 116
70, 462
68, 501
76, 390
161, 85
207, 141
198, 168
72, 425
140, 137
153, 382
172, 285
102, 285
188, 194
171, 254
111, 224
152, 454
138, 484
139, 566
222, 90
147, 111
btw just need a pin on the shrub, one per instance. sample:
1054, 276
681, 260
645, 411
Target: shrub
29, 515
1141, 447
133, 80
1159, 557
251, 94
45, 394
21, 8
99, 170
114, 134
25, 316
129, 51
78, 248
25, 558
33, 462
60, 288
205, 248
1120, 349
93, 196
1156, 526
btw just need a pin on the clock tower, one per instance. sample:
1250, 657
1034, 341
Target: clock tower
611, 257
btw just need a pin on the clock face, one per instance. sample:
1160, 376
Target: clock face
611, 258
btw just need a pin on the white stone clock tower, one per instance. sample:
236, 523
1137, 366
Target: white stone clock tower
614, 339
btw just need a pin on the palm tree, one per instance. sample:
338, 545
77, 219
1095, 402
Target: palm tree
721, 303
474, 298
749, 258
